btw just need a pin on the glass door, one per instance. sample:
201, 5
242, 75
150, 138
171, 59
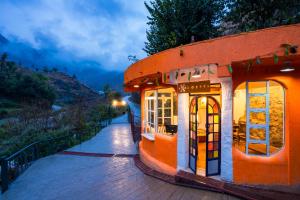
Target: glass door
193, 143
213, 137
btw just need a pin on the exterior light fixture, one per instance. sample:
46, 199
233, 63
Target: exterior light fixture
150, 83
114, 103
287, 67
196, 73
123, 103
136, 86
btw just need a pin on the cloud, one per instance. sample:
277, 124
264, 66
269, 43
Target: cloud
103, 31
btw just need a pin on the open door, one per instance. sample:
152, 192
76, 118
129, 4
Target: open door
213, 137
193, 143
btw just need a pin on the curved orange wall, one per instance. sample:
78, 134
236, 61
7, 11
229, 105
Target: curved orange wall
223, 51
284, 166
160, 154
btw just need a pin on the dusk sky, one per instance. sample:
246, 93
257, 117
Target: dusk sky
102, 31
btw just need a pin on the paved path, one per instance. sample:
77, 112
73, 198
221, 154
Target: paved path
112, 139
69, 177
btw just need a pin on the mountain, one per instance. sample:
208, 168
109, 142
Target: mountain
88, 72
3, 40
67, 89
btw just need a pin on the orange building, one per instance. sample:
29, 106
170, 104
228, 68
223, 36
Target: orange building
225, 107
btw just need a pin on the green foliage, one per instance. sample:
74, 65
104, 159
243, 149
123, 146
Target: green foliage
20, 86
174, 22
106, 89
248, 15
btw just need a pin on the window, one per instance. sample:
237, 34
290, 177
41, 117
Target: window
258, 126
150, 114
160, 109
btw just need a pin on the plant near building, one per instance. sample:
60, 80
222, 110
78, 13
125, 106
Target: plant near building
175, 22
245, 15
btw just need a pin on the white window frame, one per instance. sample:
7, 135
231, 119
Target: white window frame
151, 111
163, 117
148, 112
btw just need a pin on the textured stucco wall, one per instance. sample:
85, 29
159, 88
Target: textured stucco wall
183, 131
226, 134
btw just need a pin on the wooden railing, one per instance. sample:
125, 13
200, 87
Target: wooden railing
14, 165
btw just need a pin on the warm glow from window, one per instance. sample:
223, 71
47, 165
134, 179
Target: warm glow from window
160, 110
258, 117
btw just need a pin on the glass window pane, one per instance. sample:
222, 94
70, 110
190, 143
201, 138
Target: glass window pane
216, 128
210, 137
168, 103
167, 112
216, 137
152, 117
257, 102
216, 154
159, 103
159, 121
152, 104
257, 149
257, 117
257, 133
210, 119
167, 121
211, 128
216, 145
210, 146
159, 113
210, 109
215, 108
257, 87
216, 118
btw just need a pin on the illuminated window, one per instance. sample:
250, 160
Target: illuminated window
258, 126
160, 109
150, 110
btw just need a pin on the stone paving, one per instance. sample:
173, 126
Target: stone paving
65, 177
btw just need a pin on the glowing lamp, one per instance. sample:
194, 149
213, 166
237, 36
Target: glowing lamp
114, 103
136, 86
123, 103
287, 67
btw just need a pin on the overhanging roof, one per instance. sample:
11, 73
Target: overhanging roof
222, 51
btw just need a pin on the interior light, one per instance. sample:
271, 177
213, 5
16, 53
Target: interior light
287, 67
136, 86
196, 73
150, 83
203, 101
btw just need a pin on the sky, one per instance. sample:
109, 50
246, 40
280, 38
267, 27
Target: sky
101, 31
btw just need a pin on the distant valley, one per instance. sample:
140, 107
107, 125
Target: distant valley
88, 72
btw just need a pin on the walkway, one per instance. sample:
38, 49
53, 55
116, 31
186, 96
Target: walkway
88, 177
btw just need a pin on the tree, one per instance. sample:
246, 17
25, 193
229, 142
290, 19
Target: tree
249, 15
175, 22
107, 90
3, 61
